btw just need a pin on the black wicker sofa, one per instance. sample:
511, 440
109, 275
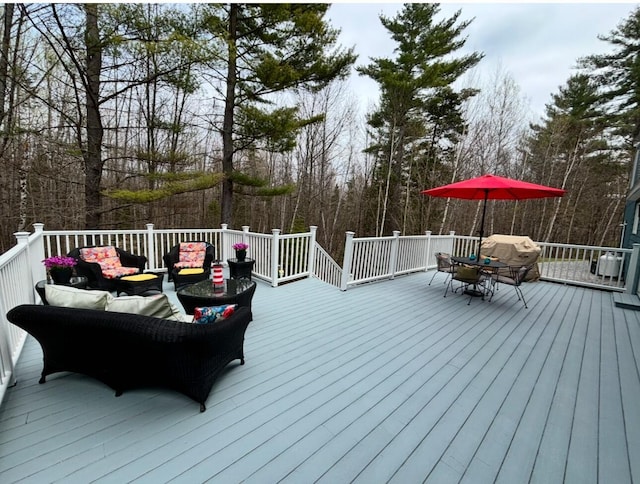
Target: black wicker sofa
128, 351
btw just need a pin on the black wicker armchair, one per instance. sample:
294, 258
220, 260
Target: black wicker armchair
172, 258
93, 271
128, 351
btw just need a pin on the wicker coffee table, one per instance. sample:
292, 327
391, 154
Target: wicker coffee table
204, 293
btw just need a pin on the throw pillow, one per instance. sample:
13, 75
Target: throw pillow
71, 297
157, 306
467, 273
212, 314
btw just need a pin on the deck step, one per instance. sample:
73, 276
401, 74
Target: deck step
626, 301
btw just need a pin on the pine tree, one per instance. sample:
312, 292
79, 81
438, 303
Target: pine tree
418, 105
618, 74
268, 49
574, 149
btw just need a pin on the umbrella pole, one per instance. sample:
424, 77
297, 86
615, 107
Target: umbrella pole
484, 211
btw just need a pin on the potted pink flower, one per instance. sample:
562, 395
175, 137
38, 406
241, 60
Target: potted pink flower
60, 268
241, 250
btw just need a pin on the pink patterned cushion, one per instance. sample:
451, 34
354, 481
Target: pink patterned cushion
98, 254
109, 261
118, 272
191, 255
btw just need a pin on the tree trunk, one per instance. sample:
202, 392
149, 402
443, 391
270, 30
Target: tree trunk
4, 57
226, 212
93, 154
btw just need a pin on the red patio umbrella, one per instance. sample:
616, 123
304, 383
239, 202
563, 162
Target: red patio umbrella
493, 187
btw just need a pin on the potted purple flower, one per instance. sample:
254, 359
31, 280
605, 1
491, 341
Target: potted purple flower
241, 251
60, 268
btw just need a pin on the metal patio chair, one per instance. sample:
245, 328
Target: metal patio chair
444, 264
515, 278
472, 282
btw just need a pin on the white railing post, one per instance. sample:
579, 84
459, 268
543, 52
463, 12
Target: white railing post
312, 251
395, 248
35, 251
7, 368
245, 235
633, 271
151, 247
346, 261
452, 250
427, 250
223, 242
275, 255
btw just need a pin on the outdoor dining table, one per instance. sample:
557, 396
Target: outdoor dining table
484, 264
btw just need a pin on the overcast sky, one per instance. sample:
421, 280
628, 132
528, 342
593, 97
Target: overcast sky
537, 44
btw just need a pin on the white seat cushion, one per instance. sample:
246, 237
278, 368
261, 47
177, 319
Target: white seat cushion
157, 306
71, 297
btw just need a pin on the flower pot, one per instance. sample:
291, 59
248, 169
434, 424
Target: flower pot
241, 255
61, 275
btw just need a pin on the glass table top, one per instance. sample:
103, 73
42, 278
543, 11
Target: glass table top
231, 287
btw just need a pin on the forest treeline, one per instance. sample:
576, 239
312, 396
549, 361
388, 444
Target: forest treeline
192, 115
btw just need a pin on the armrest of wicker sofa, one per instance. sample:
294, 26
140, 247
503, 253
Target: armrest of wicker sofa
127, 351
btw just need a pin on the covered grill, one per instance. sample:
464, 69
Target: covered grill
513, 250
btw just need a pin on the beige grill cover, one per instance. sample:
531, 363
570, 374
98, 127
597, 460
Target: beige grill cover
514, 250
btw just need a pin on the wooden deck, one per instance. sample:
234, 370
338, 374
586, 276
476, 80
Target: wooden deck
388, 382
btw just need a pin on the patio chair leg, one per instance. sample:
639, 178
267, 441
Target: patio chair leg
521, 296
433, 277
449, 285
494, 288
446, 279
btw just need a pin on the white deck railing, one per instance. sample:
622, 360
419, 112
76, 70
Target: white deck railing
15, 288
375, 258
583, 265
369, 259
283, 258
278, 257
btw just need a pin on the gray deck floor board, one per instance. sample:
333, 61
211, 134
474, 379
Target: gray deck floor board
387, 382
520, 458
554, 443
613, 453
514, 387
582, 457
627, 332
